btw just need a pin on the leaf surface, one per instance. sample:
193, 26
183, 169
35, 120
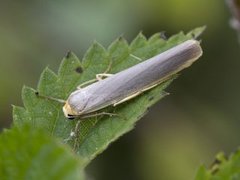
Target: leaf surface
27, 153
223, 168
93, 135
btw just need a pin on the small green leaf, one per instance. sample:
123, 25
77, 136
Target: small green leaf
47, 82
95, 60
202, 174
223, 168
68, 76
155, 38
27, 153
20, 116
138, 42
91, 136
119, 52
196, 32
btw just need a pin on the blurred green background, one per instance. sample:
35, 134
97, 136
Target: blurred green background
186, 129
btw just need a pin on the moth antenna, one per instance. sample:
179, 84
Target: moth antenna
50, 98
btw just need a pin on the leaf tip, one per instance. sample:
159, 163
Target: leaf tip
140, 40
27, 92
121, 39
25, 88
195, 33
163, 35
141, 35
69, 54
97, 44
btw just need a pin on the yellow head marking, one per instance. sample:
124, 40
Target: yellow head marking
68, 111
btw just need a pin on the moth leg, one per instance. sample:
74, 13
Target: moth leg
99, 77
102, 114
50, 98
108, 68
99, 114
86, 83
134, 95
135, 57
70, 137
76, 135
105, 74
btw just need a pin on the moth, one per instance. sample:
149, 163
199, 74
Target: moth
129, 83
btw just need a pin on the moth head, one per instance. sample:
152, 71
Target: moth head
69, 112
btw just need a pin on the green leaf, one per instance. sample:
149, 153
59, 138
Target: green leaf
27, 153
196, 32
223, 168
93, 135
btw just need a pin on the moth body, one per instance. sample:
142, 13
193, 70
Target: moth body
132, 81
